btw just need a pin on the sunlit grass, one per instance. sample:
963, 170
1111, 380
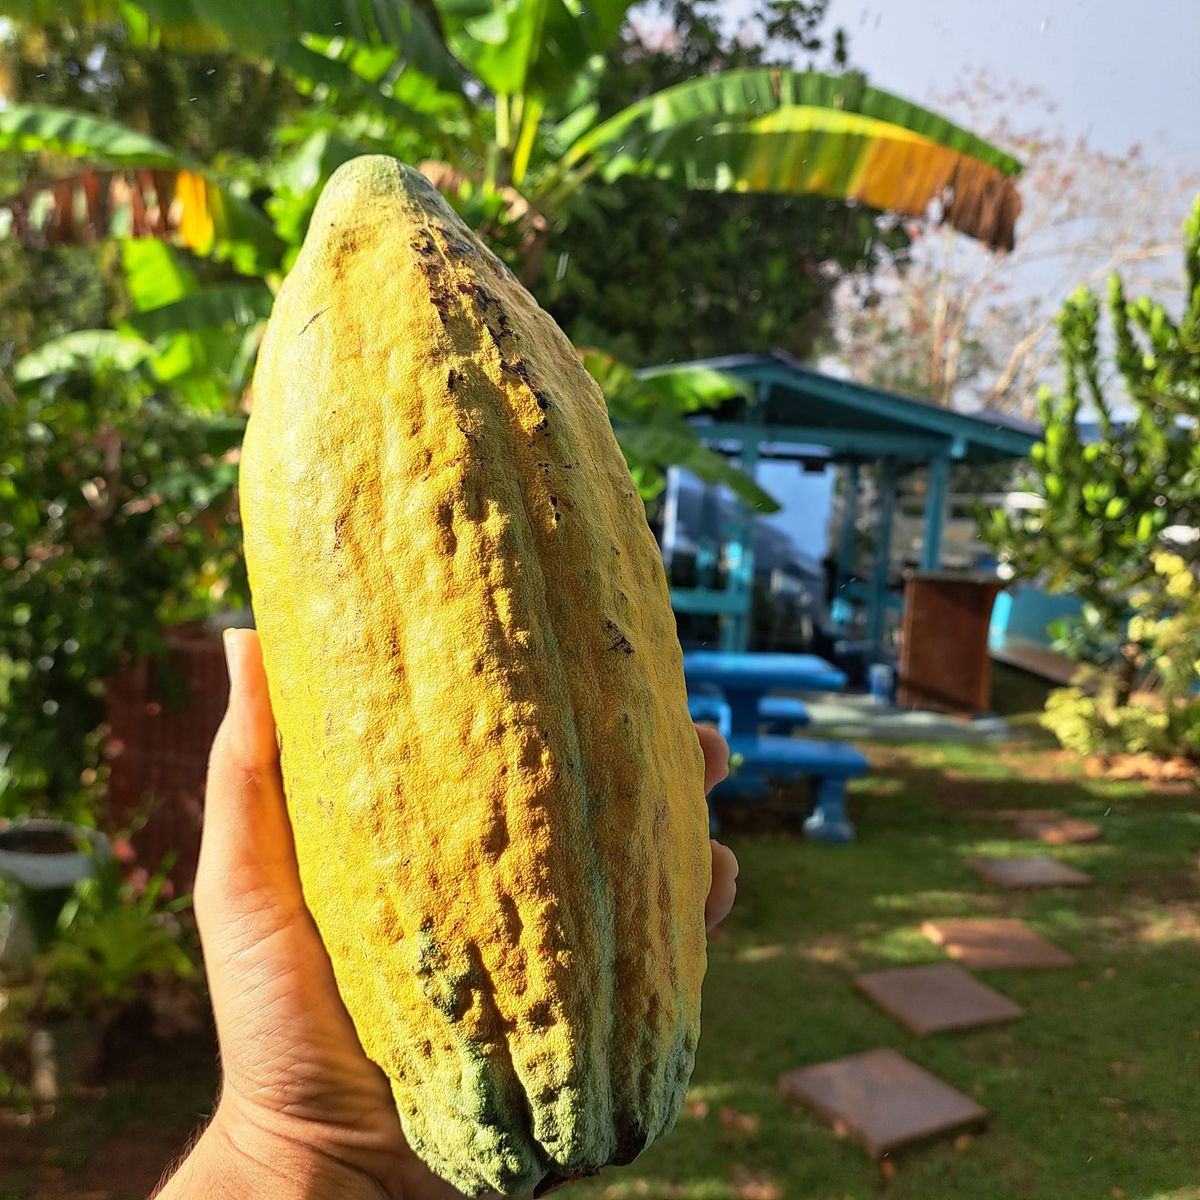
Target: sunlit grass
1090, 1094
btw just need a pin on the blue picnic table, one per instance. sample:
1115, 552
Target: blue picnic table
745, 679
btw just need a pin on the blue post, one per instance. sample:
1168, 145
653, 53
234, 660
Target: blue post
739, 559
739, 550
708, 537
828, 822
935, 514
839, 609
883, 554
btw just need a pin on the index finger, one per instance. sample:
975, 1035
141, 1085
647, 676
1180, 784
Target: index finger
716, 756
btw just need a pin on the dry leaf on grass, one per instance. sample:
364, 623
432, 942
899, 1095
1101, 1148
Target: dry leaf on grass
740, 1122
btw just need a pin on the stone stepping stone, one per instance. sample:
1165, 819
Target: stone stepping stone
1031, 872
1059, 831
882, 1100
995, 944
936, 998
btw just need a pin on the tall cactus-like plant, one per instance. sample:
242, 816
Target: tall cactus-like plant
1117, 472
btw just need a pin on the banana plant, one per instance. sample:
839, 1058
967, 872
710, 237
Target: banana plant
495, 99
500, 93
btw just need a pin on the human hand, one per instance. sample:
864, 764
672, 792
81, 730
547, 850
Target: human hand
303, 1112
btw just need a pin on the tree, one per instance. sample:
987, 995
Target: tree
504, 102
115, 501
963, 328
1119, 512
720, 272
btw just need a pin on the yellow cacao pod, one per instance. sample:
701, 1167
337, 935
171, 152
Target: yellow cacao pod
496, 792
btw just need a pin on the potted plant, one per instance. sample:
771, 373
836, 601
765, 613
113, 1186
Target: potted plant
40, 862
118, 942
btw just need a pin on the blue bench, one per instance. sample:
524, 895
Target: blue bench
829, 763
779, 714
783, 714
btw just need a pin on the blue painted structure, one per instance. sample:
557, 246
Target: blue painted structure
1028, 612
1019, 632
777, 714
794, 411
745, 679
829, 763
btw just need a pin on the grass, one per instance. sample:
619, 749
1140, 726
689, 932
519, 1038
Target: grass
1091, 1094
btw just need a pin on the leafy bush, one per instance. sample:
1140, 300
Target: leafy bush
1094, 718
1117, 517
117, 518
114, 938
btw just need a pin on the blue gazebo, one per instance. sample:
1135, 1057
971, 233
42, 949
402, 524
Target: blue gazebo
791, 411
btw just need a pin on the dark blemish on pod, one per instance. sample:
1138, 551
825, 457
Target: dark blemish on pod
620, 643
631, 1141
452, 379
311, 320
541, 1015
424, 244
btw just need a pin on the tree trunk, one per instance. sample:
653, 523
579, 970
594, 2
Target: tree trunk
1127, 675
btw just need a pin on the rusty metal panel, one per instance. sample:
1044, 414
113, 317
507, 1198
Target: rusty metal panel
944, 661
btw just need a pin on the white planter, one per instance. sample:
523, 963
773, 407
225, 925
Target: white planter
41, 855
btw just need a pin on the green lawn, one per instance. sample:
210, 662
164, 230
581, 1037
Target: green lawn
1091, 1094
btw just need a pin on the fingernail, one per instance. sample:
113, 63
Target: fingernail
233, 660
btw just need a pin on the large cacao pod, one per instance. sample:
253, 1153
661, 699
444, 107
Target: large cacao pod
496, 792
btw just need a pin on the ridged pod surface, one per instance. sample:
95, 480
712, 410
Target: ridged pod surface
496, 791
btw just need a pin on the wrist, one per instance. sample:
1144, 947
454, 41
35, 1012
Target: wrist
240, 1158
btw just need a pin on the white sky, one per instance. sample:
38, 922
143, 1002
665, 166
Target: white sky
1118, 72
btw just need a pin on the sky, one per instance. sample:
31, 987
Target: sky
1118, 72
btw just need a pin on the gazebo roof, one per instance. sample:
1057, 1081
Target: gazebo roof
797, 405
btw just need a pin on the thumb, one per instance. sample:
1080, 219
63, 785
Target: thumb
247, 861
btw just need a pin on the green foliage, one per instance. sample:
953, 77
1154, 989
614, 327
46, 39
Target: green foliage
655, 272
117, 519
1093, 718
533, 118
1113, 509
112, 939
657, 275
649, 414
204, 104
